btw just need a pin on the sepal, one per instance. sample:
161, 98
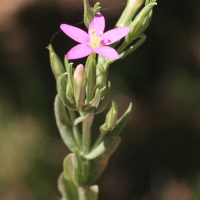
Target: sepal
104, 100
94, 103
61, 84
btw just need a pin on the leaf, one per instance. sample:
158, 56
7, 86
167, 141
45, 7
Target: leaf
69, 167
109, 144
98, 165
68, 189
111, 136
92, 193
64, 124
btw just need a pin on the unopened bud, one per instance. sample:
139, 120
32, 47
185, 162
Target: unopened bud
112, 116
140, 23
111, 119
56, 64
70, 84
129, 12
80, 81
90, 68
89, 12
88, 17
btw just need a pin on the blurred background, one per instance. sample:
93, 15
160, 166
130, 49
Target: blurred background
159, 157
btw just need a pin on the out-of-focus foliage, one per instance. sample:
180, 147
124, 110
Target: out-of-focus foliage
159, 156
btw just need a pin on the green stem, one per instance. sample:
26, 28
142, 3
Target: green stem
86, 133
81, 193
122, 47
76, 132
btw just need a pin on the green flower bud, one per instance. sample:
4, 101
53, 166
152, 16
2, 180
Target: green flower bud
56, 64
111, 117
80, 80
70, 84
140, 23
89, 12
88, 17
90, 69
129, 12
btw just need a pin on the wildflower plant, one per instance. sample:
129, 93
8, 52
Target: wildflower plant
85, 90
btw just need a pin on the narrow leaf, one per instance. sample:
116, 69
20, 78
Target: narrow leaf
68, 189
64, 124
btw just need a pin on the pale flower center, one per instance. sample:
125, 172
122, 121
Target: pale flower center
94, 40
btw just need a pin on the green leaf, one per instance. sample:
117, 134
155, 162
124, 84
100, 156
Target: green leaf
108, 144
81, 169
64, 124
69, 167
68, 189
61, 83
98, 165
92, 193
111, 136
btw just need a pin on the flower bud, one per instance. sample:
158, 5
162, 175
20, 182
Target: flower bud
89, 12
90, 69
111, 119
129, 12
140, 23
70, 84
80, 81
56, 64
112, 116
88, 17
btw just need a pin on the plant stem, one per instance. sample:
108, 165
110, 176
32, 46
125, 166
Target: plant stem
122, 47
76, 132
86, 133
81, 193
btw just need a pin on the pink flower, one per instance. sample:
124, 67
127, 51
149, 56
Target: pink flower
95, 39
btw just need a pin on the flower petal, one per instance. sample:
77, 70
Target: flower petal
107, 52
79, 51
75, 33
114, 35
98, 24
